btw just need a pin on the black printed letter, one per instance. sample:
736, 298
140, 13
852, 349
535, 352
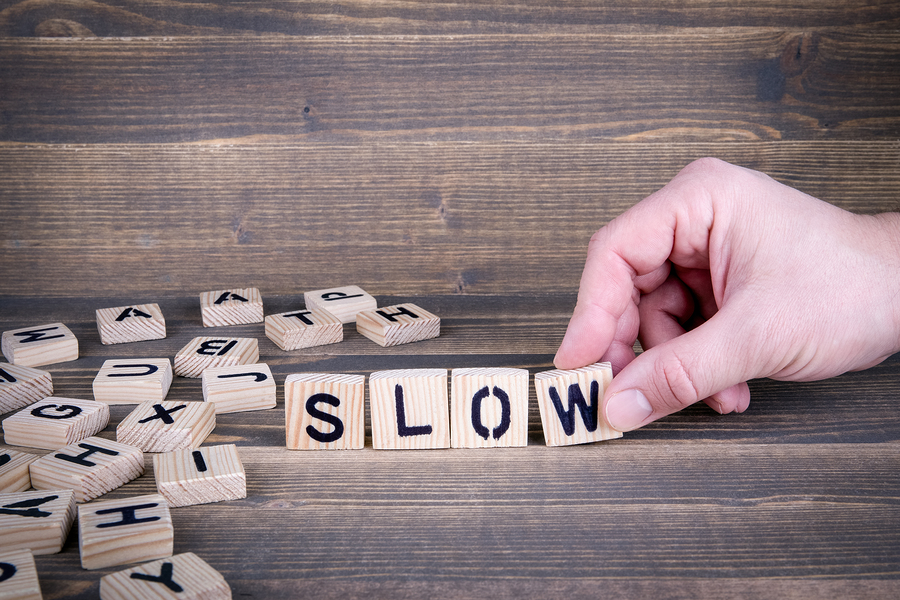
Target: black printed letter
576, 398
403, 430
315, 413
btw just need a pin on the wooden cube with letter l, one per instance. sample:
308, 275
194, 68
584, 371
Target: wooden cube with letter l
231, 307
398, 324
41, 345
55, 422
37, 520
125, 530
324, 411
239, 388
135, 323
133, 380
21, 386
409, 409
489, 407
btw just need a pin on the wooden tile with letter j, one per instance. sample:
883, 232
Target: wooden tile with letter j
136, 323
37, 520
409, 409
208, 474
399, 324
239, 388
41, 345
123, 531
15, 475
181, 577
167, 426
21, 386
55, 422
19, 576
324, 411
133, 380
204, 352
231, 307
489, 407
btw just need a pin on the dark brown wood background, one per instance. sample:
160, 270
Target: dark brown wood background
458, 155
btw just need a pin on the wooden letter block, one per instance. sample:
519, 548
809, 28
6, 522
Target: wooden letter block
342, 302
14, 471
571, 401
304, 329
489, 407
133, 380
21, 386
18, 576
55, 422
239, 388
167, 426
37, 520
180, 577
210, 474
42, 345
399, 324
127, 530
135, 323
231, 307
324, 411
204, 352
409, 409
90, 467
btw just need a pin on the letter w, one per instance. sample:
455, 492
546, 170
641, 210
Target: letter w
576, 398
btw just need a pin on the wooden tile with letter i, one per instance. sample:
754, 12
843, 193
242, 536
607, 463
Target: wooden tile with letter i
399, 324
41, 345
14, 471
19, 576
201, 476
231, 307
167, 426
180, 577
38, 521
324, 411
409, 409
342, 302
239, 388
204, 352
570, 403
489, 407
55, 422
135, 323
123, 531
133, 380
304, 329
21, 386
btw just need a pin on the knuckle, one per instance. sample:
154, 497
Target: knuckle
680, 388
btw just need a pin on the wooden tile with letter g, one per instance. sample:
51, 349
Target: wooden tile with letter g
126, 530
55, 422
41, 345
181, 577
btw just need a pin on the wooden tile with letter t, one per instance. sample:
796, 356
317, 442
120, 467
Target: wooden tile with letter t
409, 409
204, 352
133, 380
37, 520
570, 402
180, 577
304, 329
127, 530
399, 324
41, 345
136, 323
167, 426
201, 476
55, 422
489, 407
21, 386
324, 411
231, 307
239, 388
19, 576
14, 471
342, 302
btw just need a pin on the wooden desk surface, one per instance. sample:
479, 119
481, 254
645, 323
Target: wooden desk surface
458, 155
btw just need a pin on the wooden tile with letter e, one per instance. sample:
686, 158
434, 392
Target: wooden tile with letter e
409, 409
19, 576
239, 388
21, 386
342, 302
204, 352
489, 407
304, 329
324, 411
201, 476
55, 422
231, 307
133, 380
135, 323
14, 471
37, 520
167, 426
399, 324
180, 577
570, 402
41, 345
123, 531
91, 467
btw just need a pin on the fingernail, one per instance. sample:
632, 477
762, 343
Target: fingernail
628, 410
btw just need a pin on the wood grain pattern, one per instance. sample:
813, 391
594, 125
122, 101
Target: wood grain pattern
133, 381
211, 474
36, 520
20, 577
122, 324
55, 422
123, 531
21, 386
181, 576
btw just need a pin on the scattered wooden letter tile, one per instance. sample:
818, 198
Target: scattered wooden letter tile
18, 576
21, 386
409, 409
304, 328
135, 323
167, 426
55, 422
37, 520
180, 577
201, 476
239, 388
41, 345
133, 380
324, 411
489, 407
14, 473
127, 530
342, 302
570, 402
204, 352
90, 467
231, 307
399, 324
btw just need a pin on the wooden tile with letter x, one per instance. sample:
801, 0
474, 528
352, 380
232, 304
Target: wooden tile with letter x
204, 352
19, 576
14, 471
21, 386
201, 476
37, 520
133, 380
579, 418
409, 409
239, 388
489, 407
180, 577
55, 422
231, 307
324, 411
90, 467
399, 324
342, 302
123, 531
167, 426
136, 323
41, 345
304, 329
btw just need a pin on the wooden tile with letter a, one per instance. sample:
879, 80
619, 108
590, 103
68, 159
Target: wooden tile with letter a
239, 388
14, 471
409, 409
204, 352
201, 476
19, 576
570, 402
136, 323
489, 407
304, 329
342, 302
37, 520
167, 426
55, 422
133, 380
123, 531
231, 307
41, 345
324, 411
399, 324
180, 577
21, 386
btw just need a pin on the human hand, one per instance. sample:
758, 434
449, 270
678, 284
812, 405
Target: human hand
726, 275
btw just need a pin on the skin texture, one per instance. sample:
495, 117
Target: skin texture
726, 275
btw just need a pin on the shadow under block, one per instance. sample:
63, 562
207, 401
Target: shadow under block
304, 329
398, 324
167, 426
231, 307
409, 409
133, 380
489, 407
342, 302
134, 323
180, 577
14, 471
38, 521
91, 468
204, 352
201, 476
324, 411
55, 422
570, 403
19, 576
41, 345
123, 531
239, 388
21, 386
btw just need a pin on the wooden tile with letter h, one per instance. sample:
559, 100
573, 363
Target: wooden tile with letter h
399, 324
127, 530
204, 352
14, 471
201, 476
167, 426
21, 386
304, 329
409, 409
19, 576
342, 302
324, 411
136, 323
38, 521
181, 577
55, 422
231, 307
133, 380
570, 403
239, 388
41, 345
489, 407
